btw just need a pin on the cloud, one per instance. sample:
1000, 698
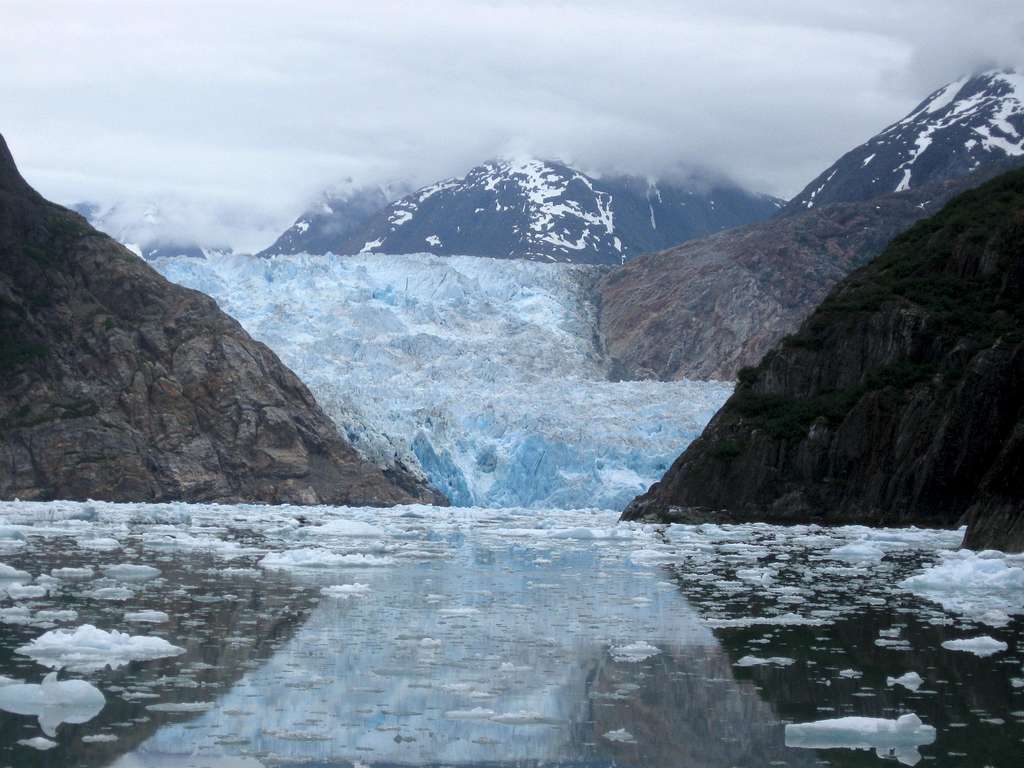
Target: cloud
248, 110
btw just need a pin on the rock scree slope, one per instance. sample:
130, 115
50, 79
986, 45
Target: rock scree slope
118, 385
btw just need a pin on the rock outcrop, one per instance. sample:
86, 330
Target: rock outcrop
900, 399
709, 307
116, 384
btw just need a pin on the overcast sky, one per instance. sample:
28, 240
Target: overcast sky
236, 114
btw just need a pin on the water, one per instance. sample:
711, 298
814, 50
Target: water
500, 637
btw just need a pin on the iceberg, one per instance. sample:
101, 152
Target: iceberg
897, 738
53, 702
979, 646
485, 375
86, 649
987, 586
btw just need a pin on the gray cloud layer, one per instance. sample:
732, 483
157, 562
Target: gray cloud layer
248, 109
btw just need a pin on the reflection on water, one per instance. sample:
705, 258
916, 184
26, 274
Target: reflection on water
472, 637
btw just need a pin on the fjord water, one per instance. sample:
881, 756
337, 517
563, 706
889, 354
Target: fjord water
427, 636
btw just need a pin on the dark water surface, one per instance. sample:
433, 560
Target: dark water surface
502, 638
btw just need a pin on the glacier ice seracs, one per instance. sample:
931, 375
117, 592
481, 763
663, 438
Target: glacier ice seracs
487, 375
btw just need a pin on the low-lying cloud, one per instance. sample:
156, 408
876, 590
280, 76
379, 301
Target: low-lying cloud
248, 110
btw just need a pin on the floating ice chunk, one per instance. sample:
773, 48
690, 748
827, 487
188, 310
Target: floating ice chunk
9, 573
99, 738
860, 551
15, 615
25, 591
87, 648
147, 617
429, 642
979, 646
754, 661
11, 533
55, 616
621, 736
131, 572
72, 574
38, 742
755, 575
99, 544
910, 680
851, 674
53, 702
634, 652
111, 593
315, 557
782, 620
477, 713
181, 706
462, 611
523, 717
173, 539
345, 591
982, 586
239, 573
355, 529
898, 738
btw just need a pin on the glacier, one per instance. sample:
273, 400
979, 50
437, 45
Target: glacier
486, 375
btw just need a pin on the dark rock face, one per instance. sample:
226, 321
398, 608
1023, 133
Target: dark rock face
531, 209
900, 399
709, 307
118, 385
958, 128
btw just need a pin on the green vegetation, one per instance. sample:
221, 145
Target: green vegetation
962, 269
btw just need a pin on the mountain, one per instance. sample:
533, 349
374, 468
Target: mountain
334, 219
709, 307
900, 399
119, 385
963, 125
537, 210
142, 228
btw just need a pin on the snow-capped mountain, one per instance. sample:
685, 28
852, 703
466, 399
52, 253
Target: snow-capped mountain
144, 229
967, 123
538, 210
334, 219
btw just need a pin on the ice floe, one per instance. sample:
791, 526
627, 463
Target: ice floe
634, 652
983, 586
322, 558
53, 701
909, 680
131, 572
897, 738
755, 661
147, 617
345, 591
86, 648
979, 646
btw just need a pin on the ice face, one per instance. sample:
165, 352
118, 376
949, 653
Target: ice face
484, 374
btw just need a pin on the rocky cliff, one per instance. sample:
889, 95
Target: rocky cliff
709, 307
116, 384
899, 400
